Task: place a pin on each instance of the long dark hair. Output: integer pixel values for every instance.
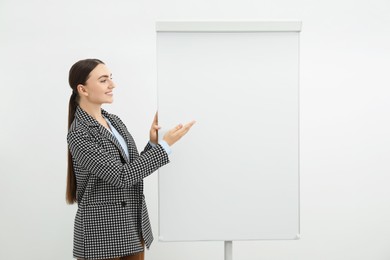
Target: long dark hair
(78, 74)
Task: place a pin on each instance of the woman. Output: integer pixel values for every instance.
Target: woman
(105, 170)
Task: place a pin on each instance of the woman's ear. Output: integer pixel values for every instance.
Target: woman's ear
(82, 90)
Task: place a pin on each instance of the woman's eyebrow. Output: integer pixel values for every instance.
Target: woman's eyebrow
(105, 76)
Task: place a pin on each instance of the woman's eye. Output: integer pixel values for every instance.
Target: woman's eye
(103, 81)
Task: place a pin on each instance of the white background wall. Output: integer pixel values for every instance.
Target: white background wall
(345, 125)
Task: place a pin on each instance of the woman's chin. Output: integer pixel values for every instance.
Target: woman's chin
(109, 101)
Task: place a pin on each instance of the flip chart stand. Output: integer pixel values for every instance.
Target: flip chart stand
(228, 250)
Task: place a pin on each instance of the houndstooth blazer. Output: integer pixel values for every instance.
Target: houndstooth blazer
(112, 217)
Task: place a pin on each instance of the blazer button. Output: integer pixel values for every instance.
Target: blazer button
(123, 203)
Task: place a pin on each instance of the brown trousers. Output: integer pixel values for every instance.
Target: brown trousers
(139, 256)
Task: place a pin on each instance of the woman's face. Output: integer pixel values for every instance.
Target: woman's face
(98, 88)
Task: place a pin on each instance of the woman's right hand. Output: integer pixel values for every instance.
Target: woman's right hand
(176, 133)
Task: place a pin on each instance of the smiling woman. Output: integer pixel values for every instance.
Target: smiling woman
(105, 170)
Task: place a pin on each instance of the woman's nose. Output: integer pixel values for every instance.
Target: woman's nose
(112, 84)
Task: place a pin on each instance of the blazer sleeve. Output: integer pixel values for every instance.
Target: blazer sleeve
(147, 148)
(100, 162)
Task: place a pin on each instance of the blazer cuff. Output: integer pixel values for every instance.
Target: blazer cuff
(164, 145)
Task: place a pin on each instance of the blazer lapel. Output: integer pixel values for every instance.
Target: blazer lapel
(104, 132)
(124, 133)
(81, 114)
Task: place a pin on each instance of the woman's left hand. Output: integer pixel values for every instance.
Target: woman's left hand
(154, 130)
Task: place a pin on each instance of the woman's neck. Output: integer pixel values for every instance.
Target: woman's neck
(93, 110)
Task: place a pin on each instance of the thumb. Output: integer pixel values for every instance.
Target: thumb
(176, 128)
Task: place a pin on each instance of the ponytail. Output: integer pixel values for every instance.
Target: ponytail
(71, 184)
(78, 74)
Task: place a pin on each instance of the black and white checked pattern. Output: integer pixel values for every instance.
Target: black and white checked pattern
(112, 217)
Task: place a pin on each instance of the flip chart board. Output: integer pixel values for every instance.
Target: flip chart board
(235, 176)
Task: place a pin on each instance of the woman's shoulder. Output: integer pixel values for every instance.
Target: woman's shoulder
(77, 125)
(78, 128)
(82, 124)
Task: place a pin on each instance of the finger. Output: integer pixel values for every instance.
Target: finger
(176, 129)
(186, 127)
(179, 126)
(189, 125)
(155, 120)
